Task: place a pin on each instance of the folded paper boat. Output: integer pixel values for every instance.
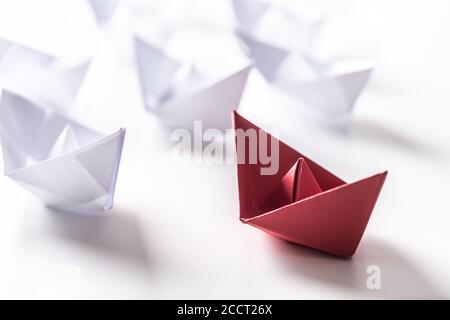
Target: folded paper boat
(276, 25)
(67, 165)
(39, 76)
(304, 203)
(328, 89)
(180, 95)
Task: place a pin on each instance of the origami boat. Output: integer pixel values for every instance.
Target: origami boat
(67, 165)
(304, 203)
(39, 76)
(180, 95)
(276, 25)
(329, 89)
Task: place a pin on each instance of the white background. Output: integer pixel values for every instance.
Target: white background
(174, 231)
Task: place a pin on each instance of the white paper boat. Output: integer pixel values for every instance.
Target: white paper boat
(67, 165)
(39, 76)
(329, 89)
(275, 25)
(180, 95)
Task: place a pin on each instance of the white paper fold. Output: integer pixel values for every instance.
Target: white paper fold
(329, 89)
(67, 165)
(180, 95)
(39, 76)
(104, 9)
(275, 25)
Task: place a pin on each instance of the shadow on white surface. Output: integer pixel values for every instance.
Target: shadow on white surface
(400, 277)
(116, 233)
(375, 132)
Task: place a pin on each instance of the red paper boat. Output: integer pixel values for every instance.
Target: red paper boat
(303, 203)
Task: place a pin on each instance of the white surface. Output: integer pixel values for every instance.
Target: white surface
(174, 231)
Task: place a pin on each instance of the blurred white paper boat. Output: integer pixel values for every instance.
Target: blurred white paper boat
(65, 164)
(39, 76)
(104, 9)
(328, 89)
(180, 95)
(276, 25)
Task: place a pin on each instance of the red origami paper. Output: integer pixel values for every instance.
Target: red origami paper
(304, 203)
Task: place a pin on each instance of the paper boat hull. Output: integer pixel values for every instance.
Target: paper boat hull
(332, 97)
(332, 222)
(82, 181)
(211, 105)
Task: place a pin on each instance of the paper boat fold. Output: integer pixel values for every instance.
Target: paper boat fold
(276, 25)
(180, 95)
(65, 164)
(249, 12)
(327, 89)
(39, 76)
(304, 203)
(104, 9)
